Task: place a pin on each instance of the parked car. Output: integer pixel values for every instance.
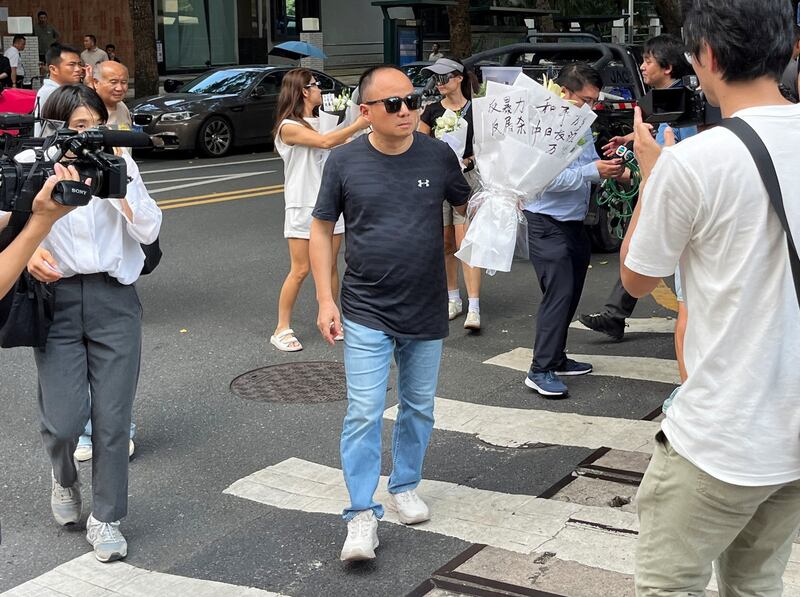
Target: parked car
(623, 86)
(219, 110)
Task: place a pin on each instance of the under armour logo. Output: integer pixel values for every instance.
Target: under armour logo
(423, 183)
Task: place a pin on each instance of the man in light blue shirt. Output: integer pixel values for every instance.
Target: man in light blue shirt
(559, 248)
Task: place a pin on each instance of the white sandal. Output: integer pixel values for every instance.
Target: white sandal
(284, 340)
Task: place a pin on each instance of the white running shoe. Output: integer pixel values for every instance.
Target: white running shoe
(65, 502)
(362, 537)
(454, 308)
(84, 451)
(409, 507)
(108, 542)
(472, 321)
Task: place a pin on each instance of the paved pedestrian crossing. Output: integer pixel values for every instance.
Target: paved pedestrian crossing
(641, 325)
(86, 577)
(599, 537)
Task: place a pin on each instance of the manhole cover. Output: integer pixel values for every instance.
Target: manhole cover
(316, 381)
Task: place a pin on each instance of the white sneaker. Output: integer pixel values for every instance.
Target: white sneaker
(362, 537)
(65, 502)
(472, 321)
(83, 452)
(108, 542)
(409, 507)
(454, 308)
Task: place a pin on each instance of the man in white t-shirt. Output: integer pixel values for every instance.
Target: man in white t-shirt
(724, 481)
(13, 55)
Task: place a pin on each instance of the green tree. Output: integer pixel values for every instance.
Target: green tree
(144, 50)
(669, 11)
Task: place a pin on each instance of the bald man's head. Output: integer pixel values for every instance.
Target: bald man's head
(379, 74)
(111, 82)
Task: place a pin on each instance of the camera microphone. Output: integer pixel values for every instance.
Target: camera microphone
(117, 138)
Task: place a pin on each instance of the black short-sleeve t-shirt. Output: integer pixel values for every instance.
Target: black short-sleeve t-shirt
(392, 205)
(435, 110)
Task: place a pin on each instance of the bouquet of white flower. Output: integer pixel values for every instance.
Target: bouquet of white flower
(338, 112)
(451, 128)
(524, 136)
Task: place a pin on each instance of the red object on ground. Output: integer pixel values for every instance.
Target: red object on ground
(17, 101)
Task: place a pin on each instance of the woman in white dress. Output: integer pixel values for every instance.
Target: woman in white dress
(302, 148)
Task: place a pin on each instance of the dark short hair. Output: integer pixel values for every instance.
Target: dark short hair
(669, 51)
(68, 98)
(40, 13)
(17, 38)
(749, 39)
(111, 46)
(92, 37)
(54, 52)
(368, 75)
(577, 75)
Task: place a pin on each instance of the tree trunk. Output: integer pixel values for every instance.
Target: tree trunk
(144, 50)
(545, 24)
(460, 30)
(669, 11)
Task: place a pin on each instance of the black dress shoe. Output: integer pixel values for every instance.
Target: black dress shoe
(604, 323)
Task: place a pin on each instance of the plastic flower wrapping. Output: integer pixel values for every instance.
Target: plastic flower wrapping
(525, 134)
(451, 128)
(338, 112)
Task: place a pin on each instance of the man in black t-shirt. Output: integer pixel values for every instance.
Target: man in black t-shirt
(390, 186)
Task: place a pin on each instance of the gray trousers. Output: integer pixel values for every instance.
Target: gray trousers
(94, 344)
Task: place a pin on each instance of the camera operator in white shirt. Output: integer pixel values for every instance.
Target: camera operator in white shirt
(94, 256)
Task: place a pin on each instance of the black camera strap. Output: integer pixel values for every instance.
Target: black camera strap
(755, 145)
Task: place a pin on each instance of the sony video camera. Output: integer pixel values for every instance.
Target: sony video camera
(679, 106)
(89, 151)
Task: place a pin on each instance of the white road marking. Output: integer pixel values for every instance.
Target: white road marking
(643, 368)
(519, 523)
(216, 165)
(648, 325)
(515, 427)
(86, 576)
(223, 178)
(207, 177)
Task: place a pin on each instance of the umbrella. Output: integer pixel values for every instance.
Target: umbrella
(296, 50)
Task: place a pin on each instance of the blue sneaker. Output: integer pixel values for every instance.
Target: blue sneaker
(571, 367)
(546, 383)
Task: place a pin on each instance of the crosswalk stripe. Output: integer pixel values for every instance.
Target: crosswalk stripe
(643, 325)
(642, 368)
(601, 537)
(515, 427)
(86, 576)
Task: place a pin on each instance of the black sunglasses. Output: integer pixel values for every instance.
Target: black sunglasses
(393, 104)
(443, 79)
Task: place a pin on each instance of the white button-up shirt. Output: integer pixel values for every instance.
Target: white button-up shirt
(98, 238)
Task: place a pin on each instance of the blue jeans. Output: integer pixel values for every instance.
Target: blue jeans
(367, 356)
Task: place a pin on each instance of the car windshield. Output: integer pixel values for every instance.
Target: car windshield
(222, 81)
(417, 76)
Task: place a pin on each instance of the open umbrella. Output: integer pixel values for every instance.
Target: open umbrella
(296, 50)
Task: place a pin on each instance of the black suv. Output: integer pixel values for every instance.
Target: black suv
(622, 88)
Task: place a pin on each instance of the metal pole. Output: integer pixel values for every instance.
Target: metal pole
(630, 22)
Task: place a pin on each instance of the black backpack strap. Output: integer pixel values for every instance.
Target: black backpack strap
(766, 168)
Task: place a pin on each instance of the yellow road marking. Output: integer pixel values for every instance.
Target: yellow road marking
(664, 296)
(222, 194)
(221, 199)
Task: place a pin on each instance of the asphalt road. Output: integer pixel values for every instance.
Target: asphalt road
(209, 310)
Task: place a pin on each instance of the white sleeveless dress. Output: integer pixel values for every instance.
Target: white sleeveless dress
(302, 166)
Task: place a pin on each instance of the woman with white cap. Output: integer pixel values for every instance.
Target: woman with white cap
(456, 85)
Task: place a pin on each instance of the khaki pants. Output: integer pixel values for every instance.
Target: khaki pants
(688, 519)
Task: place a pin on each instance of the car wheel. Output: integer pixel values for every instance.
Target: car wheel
(215, 138)
(602, 235)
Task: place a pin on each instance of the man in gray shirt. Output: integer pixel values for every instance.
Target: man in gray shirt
(92, 55)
